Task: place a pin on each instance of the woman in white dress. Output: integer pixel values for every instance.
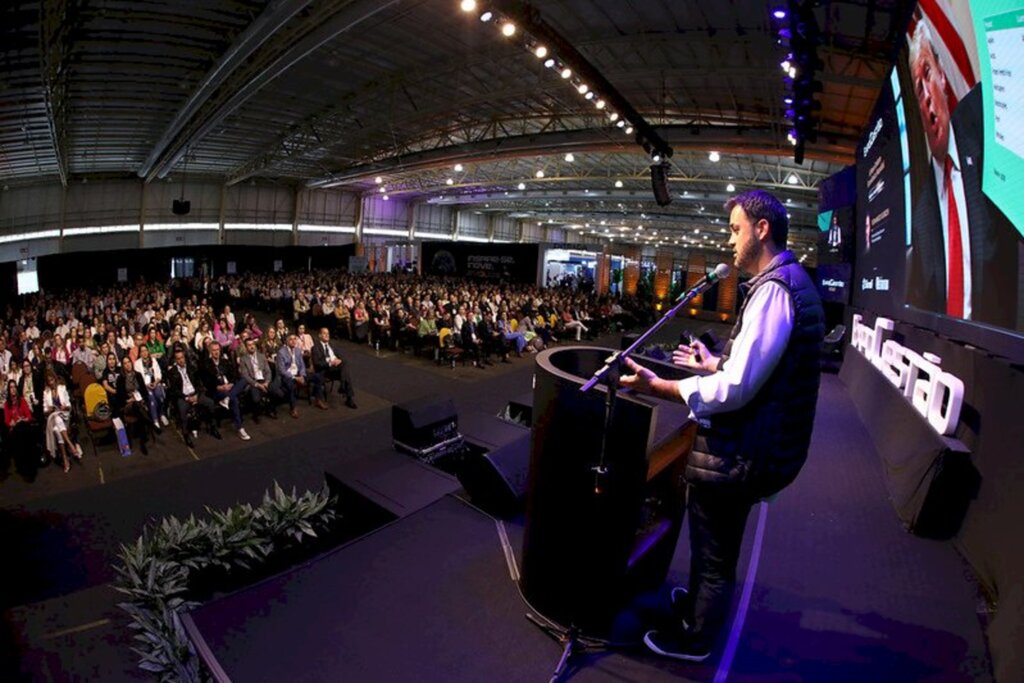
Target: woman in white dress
(57, 409)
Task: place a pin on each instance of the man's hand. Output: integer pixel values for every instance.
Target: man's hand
(695, 356)
(646, 381)
(640, 380)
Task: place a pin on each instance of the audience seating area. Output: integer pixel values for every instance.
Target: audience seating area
(110, 351)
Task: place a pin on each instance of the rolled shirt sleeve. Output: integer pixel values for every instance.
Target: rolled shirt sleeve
(756, 350)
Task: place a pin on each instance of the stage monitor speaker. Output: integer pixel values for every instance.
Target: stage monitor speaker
(181, 207)
(659, 183)
(422, 425)
(496, 480)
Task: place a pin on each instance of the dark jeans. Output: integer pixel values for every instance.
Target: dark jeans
(237, 389)
(718, 517)
(341, 375)
(204, 408)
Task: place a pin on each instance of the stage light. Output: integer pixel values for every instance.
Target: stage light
(486, 16)
(614, 116)
(786, 66)
(539, 174)
(378, 180)
(386, 198)
(582, 88)
(450, 181)
(508, 29)
(383, 189)
(468, 5)
(792, 72)
(621, 124)
(570, 158)
(549, 62)
(792, 179)
(656, 158)
(629, 130)
(590, 95)
(599, 104)
(730, 188)
(566, 72)
(787, 100)
(458, 168)
(541, 52)
(714, 157)
(521, 186)
(618, 183)
(779, 13)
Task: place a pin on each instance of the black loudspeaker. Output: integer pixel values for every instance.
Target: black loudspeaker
(181, 207)
(496, 480)
(424, 425)
(659, 183)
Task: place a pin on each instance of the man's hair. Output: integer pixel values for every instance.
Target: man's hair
(922, 37)
(758, 205)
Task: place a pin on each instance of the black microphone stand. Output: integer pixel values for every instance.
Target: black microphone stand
(572, 638)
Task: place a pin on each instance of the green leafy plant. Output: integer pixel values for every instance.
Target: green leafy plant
(158, 571)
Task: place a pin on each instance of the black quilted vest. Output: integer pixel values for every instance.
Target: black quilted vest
(763, 445)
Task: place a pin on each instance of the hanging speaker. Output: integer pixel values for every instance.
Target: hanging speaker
(181, 207)
(659, 183)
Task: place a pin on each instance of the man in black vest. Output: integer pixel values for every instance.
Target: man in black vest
(755, 409)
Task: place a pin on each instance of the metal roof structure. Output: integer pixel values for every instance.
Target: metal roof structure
(337, 93)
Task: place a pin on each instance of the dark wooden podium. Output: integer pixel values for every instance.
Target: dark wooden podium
(591, 543)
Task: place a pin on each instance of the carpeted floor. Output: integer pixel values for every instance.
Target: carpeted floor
(842, 593)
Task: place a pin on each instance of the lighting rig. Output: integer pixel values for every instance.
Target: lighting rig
(799, 36)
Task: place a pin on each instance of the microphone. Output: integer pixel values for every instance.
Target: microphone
(720, 272)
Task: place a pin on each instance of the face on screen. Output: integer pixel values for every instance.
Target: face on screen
(930, 88)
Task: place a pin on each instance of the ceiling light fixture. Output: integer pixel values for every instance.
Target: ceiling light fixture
(539, 174)
(549, 62)
(508, 29)
(618, 183)
(566, 72)
(730, 188)
(458, 168)
(378, 180)
(714, 157)
(569, 157)
(450, 181)
(521, 186)
(541, 52)
(486, 16)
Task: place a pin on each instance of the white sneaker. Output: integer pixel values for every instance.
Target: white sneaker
(195, 433)
(226, 402)
(164, 421)
(243, 435)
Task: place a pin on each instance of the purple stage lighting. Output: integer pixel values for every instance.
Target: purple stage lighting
(779, 13)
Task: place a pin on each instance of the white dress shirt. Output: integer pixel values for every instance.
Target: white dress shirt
(756, 350)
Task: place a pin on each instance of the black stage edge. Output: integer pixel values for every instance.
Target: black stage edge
(931, 478)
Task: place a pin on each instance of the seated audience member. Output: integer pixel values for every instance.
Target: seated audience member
(185, 392)
(472, 344)
(155, 342)
(264, 387)
(291, 368)
(427, 330)
(202, 337)
(360, 323)
(224, 385)
(305, 341)
(83, 354)
(152, 375)
(271, 342)
(21, 440)
(570, 324)
(100, 362)
(60, 355)
(517, 338)
(108, 377)
(132, 403)
(343, 320)
(124, 341)
(328, 363)
(57, 410)
(30, 387)
(5, 354)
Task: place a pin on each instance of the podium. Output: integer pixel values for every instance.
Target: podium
(592, 540)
